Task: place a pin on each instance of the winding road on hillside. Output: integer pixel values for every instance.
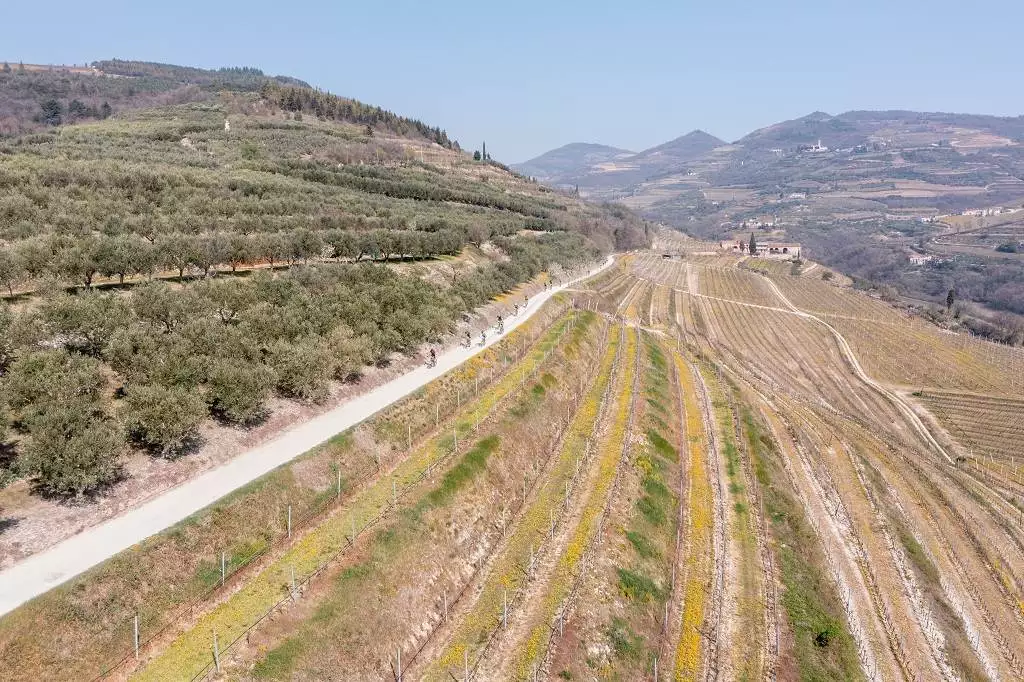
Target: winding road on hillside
(51, 567)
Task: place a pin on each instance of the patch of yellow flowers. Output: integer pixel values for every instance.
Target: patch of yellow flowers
(507, 573)
(191, 650)
(698, 559)
(566, 570)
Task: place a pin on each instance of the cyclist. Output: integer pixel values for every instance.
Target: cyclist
(483, 337)
(469, 341)
(433, 358)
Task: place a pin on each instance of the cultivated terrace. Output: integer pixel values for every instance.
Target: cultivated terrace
(695, 467)
(183, 281)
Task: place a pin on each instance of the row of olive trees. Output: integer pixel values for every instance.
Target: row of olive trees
(85, 376)
(80, 260)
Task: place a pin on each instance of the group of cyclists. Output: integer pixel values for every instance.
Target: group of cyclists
(500, 325)
(432, 361)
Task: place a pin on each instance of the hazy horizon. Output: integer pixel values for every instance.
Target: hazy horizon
(535, 76)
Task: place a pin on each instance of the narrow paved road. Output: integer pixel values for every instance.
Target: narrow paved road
(51, 567)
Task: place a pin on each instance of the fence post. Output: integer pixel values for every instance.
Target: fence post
(339, 482)
(410, 436)
(437, 415)
(504, 608)
(223, 567)
(216, 653)
(446, 605)
(399, 664)
(289, 521)
(136, 636)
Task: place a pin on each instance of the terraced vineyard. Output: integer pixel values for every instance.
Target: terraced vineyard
(682, 469)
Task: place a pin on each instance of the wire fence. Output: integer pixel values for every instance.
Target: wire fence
(212, 667)
(235, 568)
(233, 571)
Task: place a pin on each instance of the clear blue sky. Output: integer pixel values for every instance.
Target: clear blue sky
(527, 76)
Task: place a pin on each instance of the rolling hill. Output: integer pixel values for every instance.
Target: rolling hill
(558, 166)
(602, 171)
(224, 251)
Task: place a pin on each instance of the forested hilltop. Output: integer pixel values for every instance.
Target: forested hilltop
(165, 265)
(34, 97)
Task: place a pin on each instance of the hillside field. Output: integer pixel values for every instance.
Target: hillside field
(682, 465)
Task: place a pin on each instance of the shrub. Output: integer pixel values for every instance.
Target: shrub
(642, 545)
(625, 642)
(654, 514)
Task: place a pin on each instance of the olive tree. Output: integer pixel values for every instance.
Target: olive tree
(40, 380)
(86, 321)
(238, 391)
(164, 419)
(160, 304)
(227, 297)
(72, 448)
(303, 367)
(12, 271)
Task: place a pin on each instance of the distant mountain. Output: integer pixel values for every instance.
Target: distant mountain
(690, 146)
(569, 161)
(861, 190)
(899, 128)
(597, 169)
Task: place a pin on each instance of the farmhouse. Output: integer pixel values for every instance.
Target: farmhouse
(770, 249)
(778, 249)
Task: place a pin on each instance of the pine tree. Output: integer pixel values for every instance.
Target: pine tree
(52, 112)
(950, 299)
(753, 245)
(7, 67)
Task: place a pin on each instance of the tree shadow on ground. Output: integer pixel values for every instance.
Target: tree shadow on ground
(8, 523)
